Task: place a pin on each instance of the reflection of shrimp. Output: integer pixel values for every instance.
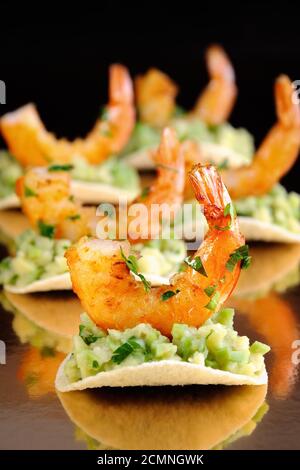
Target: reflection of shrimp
(276, 154)
(45, 197)
(275, 320)
(33, 145)
(216, 102)
(38, 371)
(115, 300)
(155, 94)
(168, 186)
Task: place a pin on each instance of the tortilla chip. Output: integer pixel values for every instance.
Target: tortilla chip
(255, 229)
(270, 264)
(59, 282)
(13, 223)
(210, 153)
(163, 418)
(10, 202)
(57, 313)
(156, 373)
(95, 193)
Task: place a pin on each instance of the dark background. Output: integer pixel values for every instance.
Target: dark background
(59, 60)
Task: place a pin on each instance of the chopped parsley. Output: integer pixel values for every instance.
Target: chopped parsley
(168, 294)
(224, 164)
(196, 264)
(125, 350)
(46, 230)
(28, 192)
(229, 210)
(131, 263)
(74, 217)
(66, 167)
(240, 254)
(210, 290)
(88, 339)
(144, 193)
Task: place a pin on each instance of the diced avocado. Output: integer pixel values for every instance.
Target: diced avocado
(113, 172)
(213, 345)
(277, 207)
(10, 171)
(143, 136)
(160, 257)
(36, 258)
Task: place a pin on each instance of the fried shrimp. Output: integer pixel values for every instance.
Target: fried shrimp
(217, 100)
(46, 200)
(114, 299)
(32, 145)
(155, 96)
(277, 153)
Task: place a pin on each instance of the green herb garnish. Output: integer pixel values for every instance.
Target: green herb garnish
(240, 254)
(229, 210)
(213, 303)
(88, 339)
(74, 217)
(144, 193)
(168, 294)
(28, 192)
(95, 364)
(210, 290)
(223, 165)
(66, 167)
(131, 263)
(46, 230)
(46, 351)
(124, 350)
(196, 264)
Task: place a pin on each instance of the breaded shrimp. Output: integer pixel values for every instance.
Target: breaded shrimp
(32, 145)
(155, 96)
(46, 198)
(216, 102)
(277, 153)
(113, 299)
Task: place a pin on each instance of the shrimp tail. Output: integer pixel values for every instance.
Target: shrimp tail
(210, 192)
(216, 102)
(276, 154)
(120, 85)
(288, 111)
(169, 156)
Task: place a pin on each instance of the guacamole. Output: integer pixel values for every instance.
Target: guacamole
(113, 172)
(225, 135)
(10, 171)
(37, 257)
(215, 344)
(160, 257)
(276, 207)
